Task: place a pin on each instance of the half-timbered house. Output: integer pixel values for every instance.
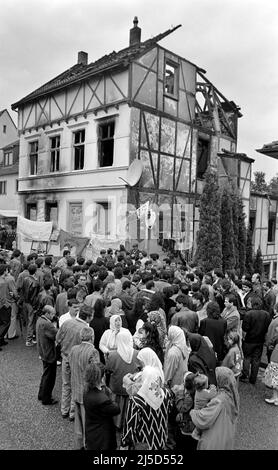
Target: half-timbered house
(81, 131)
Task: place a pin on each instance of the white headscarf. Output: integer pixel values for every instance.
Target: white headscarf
(112, 322)
(149, 358)
(151, 389)
(176, 338)
(125, 345)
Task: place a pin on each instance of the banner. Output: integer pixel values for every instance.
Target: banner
(99, 242)
(142, 211)
(33, 230)
(73, 241)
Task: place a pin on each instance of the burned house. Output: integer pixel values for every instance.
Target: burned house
(81, 131)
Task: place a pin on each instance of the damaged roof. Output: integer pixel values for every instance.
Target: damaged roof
(82, 71)
(271, 150)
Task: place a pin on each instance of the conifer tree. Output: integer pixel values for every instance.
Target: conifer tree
(258, 262)
(242, 237)
(227, 231)
(249, 253)
(209, 244)
(236, 216)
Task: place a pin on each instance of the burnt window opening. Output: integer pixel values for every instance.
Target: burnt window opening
(171, 79)
(31, 211)
(79, 149)
(4, 129)
(55, 153)
(16, 185)
(3, 187)
(271, 227)
(33, 155)
(106, 132)
(252, 221)
(103, 218)
(202, 157)
(51, 212)
(8, 158)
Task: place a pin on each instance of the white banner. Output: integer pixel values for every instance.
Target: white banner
(142, 211)
(39, 231)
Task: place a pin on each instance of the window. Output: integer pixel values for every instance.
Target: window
(3, 187)
(31, 211)
(51, 212)
(79, 149)
(103, 218)
(271, 227)
(106, 143)
(54, 153)
(8, 158)
(171, 79)
(202, 157)
(33, 154)
(16, 185)
(252, 220)
(4, 129)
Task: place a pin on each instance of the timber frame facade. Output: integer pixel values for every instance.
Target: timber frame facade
(164, 111)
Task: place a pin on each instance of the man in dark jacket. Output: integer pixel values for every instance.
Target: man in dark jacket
(46, 333)
(255, 325)
(30, 292)
(269, 298)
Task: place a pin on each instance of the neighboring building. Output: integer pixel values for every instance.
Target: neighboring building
(9, 183)
(9, 153)
(80, 132)
(264, 220)
(264, 225)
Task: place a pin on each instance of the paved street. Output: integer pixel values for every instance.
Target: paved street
(26, 424)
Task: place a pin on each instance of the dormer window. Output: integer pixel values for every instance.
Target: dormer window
(171, 79)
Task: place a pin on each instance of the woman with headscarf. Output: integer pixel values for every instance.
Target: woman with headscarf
(108, 341)
(120, 362)
(116, 309)
(145, 426)
(99, 323)
(176, 357)
(202, 358)
(146, 357)
(109, 289)
(157, 319)
(214, 327)
(218, 419)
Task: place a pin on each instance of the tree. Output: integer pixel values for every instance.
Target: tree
(209, 244)
(258, 262)
(227, 230)
(259, 184)
(235, 209)
(273, 185)
(242, 239)
(249, 252)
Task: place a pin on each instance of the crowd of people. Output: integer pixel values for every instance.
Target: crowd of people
(151, 351)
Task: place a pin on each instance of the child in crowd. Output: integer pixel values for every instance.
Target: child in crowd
(203, 395)
(271, 372)
(234, 357)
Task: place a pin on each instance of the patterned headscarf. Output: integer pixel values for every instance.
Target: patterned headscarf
(226, 383)
(116, 307)
(151, 389)
(149, 358)
(125, 345)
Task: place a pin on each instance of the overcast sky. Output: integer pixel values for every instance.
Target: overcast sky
(235, 41)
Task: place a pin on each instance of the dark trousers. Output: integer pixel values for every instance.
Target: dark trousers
(47, 381)
(252, 356)
(5, 320)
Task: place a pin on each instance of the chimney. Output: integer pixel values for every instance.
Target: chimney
(135, 33)
(82, 58)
